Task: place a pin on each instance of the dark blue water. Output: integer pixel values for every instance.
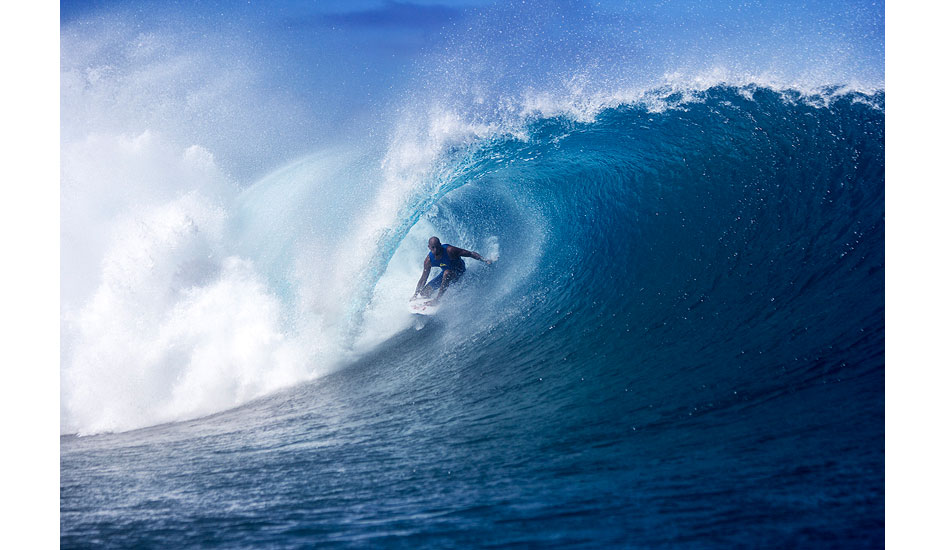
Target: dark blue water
(681, 345)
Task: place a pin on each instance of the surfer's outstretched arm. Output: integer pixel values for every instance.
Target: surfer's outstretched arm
(426, 267)
(469, 254)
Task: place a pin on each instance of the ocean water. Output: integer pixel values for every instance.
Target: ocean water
(680, 342)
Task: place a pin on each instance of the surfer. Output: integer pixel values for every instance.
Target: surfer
(449, 258)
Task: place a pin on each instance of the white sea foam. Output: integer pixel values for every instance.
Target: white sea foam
(162, 319)
(173, 325)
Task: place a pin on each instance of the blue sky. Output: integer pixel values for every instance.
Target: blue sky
(331, 70)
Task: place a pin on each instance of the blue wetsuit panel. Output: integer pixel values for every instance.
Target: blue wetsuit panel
(445, 262)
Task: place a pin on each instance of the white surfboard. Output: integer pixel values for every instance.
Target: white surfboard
(421, 306)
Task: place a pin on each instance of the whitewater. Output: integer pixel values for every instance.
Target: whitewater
(680, 342)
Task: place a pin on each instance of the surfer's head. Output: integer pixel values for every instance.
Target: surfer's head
(435, 245)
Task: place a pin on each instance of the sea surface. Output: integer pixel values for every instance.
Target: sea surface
(680, 343)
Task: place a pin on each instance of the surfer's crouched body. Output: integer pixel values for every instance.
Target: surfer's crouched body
(449, 258)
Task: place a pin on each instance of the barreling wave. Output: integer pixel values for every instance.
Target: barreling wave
(713, 228)
(680, 341)
(733, 231)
